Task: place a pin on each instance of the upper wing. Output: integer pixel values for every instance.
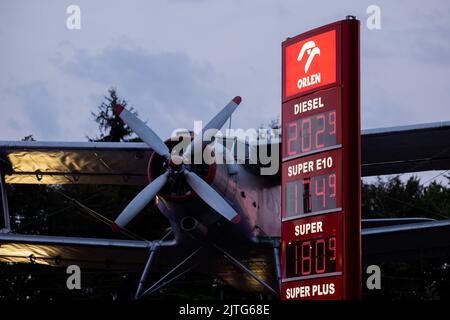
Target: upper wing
(413, 148)
(392, 150)
(36, 162)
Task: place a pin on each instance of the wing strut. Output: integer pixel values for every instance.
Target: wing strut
(7, 226)
(163, 282)
(239, 265)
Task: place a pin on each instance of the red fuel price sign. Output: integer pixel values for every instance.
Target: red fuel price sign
(321, 217)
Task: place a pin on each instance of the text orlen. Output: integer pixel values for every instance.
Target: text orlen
(311, 291)
(308, 81)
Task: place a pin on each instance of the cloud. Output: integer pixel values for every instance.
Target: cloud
(179, 61)
(36, 107)
(168, 86)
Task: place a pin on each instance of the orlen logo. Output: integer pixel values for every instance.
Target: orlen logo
(312, 50)
(310, 63)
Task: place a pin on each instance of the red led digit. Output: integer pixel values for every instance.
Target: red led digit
(291, 139)
(320, 193)
(332, 122)
(306, 258)
(296, 257)
(307, 195)
(296, 197)
(332, 247)
(321, 119)
(332, 185)
(320, 257)
(306, 136)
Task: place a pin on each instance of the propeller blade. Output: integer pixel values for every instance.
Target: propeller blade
(140, 201)
(211, 197)
(143, 131)
(215, 123)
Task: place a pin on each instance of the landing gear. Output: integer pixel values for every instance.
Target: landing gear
(188, 264)
(169, 277)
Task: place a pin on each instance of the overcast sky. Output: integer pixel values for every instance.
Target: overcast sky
(179, 61)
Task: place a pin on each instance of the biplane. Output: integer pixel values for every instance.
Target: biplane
(225, 218)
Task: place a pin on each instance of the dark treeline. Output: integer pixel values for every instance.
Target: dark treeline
(395, 197)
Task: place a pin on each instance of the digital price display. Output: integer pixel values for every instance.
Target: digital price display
(311, 134)
(320, 186)
(311, 185)
(311, 194)
(312, 124)
(310, 257)
(313, 247)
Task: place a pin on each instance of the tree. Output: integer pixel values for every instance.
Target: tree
(111, 127)
(28, 138)
(396, 198)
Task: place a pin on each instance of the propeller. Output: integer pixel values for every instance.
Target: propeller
(211, 197)
(143, 131)
(140, 201)
(175, 166)
(215, 123)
